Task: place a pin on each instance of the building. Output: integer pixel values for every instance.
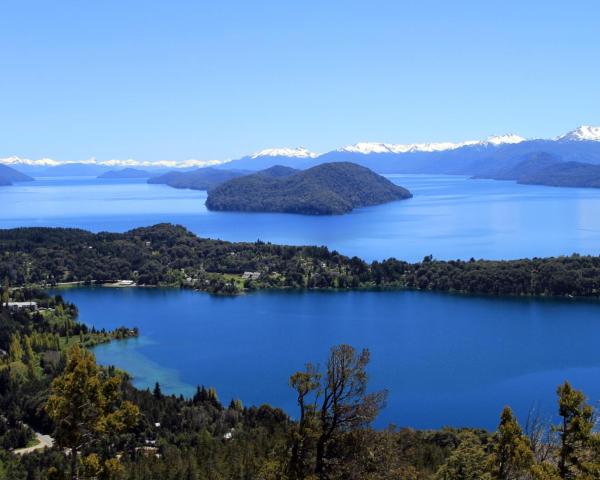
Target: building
(32, 306)
(251, 275)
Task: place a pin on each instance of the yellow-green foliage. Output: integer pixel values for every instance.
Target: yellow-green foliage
(86, 404)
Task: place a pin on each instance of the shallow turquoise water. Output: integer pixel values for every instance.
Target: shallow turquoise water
(449, 217)
(445, 359)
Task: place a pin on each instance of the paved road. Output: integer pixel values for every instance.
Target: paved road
(44, 441)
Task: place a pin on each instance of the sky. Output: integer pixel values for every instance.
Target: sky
(177, 79)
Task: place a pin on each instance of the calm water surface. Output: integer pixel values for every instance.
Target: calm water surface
(449, 217)
(446, 359)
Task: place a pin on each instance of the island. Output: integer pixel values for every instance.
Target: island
(327, 189)
(199, 179)
(125, 173)
(9, 175)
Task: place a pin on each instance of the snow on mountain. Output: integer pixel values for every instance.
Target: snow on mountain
(368, 147)
(299, 152)
(373, 147)
(49, 162)
(583, 133)
(503, 139)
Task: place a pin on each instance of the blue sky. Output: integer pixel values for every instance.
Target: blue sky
(214, 80)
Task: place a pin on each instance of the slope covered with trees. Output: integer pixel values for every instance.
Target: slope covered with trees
(540, 168)
(170, 255)
(327, 189)
(103, 428)
(199, 179)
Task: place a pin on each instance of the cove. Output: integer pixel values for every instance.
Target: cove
(445, 359)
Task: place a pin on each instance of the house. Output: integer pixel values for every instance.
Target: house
(250, 275)
(14, 306)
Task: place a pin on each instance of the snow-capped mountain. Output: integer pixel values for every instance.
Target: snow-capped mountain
(583, 133)
(367, 148)
(581, 144)
(509, 138)
(299, 152)
(49, 162)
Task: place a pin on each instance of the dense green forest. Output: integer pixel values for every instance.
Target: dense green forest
(170, 255)
(103, 428)
(327, 189)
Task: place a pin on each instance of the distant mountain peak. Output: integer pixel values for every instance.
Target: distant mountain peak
(583, 133)
(503, 139)
(299, 152)
(374, 147)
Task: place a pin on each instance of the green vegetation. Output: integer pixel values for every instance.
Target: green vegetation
(106, 429)
(170, 255)
(327, 189)
(199, 179)
(84, 405)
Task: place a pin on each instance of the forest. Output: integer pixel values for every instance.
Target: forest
(327, 189)
(170, 255)
(104, 428)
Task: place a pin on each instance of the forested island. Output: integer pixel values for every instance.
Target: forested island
(199, 179)
(170, 255)
(98, 426)
(327, 189)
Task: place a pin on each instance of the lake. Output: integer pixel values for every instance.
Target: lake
(449, 217)
(445, 359)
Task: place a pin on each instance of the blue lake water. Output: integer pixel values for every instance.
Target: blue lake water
(449, 217)
(445, 359)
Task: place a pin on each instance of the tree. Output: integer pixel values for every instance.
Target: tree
(15, 349)
(5, 293)
(85, 404)
(467, 462)
(511, 454)
(332, 405)
(304, 383)
(576, 434)
(157, 391)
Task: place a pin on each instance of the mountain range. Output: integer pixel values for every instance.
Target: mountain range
(473, 158)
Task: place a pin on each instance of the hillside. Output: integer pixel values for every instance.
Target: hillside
(125, 173)
(199, 179)
(541, 168)
(327, 189)
(9, 175)
(565, 174)
(171, 255)
(519, 167)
